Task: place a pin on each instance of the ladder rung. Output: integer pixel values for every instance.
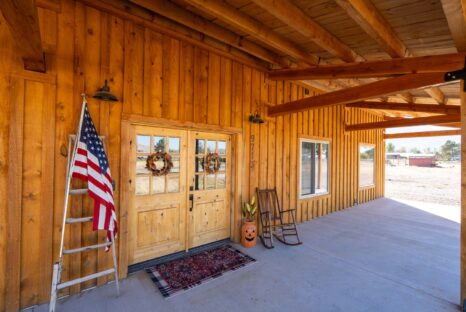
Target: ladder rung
(85, 278)
(78, 191)
(86, 248)
(78, 220)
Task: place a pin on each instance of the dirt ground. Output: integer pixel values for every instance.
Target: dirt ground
(440, 185)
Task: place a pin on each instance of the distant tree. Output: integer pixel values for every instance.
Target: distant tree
(428, 150)
(415, 150)
(401, 150)
(450, 150)
(390, 147)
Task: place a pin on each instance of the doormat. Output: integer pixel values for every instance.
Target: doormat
(182, 274)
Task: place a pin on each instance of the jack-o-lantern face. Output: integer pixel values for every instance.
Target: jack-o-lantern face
(250, 234)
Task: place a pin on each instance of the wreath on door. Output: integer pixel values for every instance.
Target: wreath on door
(211, 163)
(151, 163)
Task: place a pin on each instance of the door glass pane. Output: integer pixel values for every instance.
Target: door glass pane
(143, 144)
(174, 145)
(221, 180)
(210, 181)
(200, 146)
(142, 185)
(199, 182)
(159, 144)
(199, 164)
(158, 185)
(211, 146)
(176, 164)
(173, 183)
(223, 164)
(141, 165)
(222, 147)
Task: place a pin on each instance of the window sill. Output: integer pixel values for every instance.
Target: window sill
(314, 196)
(365, 187)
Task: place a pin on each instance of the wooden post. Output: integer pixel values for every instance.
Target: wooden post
(463, 196)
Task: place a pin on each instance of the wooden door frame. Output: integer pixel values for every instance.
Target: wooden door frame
(128, 121)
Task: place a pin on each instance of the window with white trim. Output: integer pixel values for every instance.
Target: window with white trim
(366, 164)
(314, 167)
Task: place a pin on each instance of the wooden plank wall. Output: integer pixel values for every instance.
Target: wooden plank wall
(154, 75)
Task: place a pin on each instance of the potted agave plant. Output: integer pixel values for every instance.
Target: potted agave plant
(249, 229)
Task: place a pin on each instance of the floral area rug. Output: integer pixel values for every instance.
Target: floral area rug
(184, 273)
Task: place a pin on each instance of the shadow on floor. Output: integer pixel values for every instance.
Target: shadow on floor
(379, 256)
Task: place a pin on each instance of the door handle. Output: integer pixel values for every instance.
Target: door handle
(191, 202)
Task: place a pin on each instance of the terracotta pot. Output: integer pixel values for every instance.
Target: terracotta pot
(248, 234)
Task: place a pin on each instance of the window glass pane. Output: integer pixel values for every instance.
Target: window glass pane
(366, 165)
(141, 165)
(159, 144)
(199, 182)
(199, 164)
(211, 146)
(222, 147)
(174, 145)
(223, 164)
(221, 180)
(142, 185)
(314, 167)
(200, 146)
(210, 181)
(176, 164)
(173, 183)
(143, 144)
(158, 185)
(306, 164)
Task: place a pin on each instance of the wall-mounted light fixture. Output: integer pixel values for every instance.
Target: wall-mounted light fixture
(104, 94)
(256, 118)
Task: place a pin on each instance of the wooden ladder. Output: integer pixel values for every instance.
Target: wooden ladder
(57, 267)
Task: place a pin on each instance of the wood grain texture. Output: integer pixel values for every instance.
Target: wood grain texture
(160, 79)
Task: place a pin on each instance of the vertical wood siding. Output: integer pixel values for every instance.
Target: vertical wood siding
(154, 75)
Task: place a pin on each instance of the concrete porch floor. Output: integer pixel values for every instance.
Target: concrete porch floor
(380, 256)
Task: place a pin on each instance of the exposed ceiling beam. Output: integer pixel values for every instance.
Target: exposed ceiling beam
(177, 13)
(359, 93)
(23, 21)
(294, 17)
(410, 107)
(404, 122)
(454, 12)
(379, 68)
(366, 15)
(232, 16)
(436, 94)
(422, 134)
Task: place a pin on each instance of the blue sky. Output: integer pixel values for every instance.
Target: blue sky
(421, 143)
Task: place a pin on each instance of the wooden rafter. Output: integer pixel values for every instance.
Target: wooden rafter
(177, 13)
(404, 122)
(359, 93)
(379, 68)
(410, 107)
(294, 17)
(23, 21)
(242, 21)
(421, 134)
(366, 15)
(454, 12)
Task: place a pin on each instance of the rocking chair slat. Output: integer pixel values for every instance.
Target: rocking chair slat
(270, 210)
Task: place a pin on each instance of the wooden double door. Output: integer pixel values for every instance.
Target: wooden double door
(187, 207)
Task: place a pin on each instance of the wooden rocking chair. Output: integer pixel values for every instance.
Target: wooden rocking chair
(272, 219)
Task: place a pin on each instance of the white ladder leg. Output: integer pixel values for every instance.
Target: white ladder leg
(55, 281)
(117, 283)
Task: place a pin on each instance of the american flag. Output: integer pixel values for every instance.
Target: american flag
(91, 164)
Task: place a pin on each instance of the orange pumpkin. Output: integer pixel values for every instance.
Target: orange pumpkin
(248, 234)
